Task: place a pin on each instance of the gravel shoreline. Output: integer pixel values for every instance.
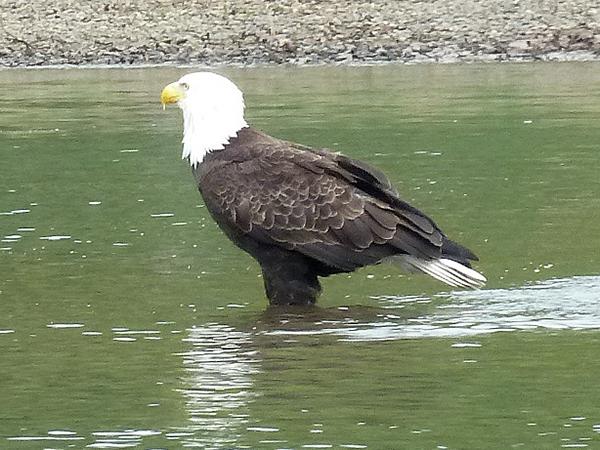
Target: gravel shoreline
(246, 32)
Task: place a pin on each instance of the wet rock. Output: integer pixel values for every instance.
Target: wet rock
(519, 46)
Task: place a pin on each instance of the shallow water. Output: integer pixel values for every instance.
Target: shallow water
(127, 319)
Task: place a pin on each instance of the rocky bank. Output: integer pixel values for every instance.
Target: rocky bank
(45, 32)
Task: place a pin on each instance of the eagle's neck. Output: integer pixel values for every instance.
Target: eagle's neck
(206, 131)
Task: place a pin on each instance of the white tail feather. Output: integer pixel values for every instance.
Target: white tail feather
(446, 270)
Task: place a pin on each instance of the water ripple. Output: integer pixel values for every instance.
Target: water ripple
(59, 237)
(559, 304)
(121, 439)
(219, 384)
(65, 325)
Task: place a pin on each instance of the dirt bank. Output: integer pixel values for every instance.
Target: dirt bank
(44, 32)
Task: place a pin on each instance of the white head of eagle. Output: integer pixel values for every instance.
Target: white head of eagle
(213, 112)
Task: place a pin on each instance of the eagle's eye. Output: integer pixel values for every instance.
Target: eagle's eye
(185, 86)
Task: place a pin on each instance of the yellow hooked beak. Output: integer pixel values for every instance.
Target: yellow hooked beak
(172, 93)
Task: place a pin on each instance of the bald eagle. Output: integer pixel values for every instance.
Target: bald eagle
(301, 212)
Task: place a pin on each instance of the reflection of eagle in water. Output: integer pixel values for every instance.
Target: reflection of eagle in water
(302, 212)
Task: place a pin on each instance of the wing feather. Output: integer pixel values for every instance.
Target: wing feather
(339, 211)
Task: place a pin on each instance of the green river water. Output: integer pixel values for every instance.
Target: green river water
(128, 320)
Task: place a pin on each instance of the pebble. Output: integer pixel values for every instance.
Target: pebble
(246, 32)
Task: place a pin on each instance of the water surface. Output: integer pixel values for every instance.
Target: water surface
(128, 320)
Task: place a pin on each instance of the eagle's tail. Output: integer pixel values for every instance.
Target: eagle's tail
(446, 270)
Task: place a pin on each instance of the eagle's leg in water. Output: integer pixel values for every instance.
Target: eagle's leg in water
(289, 279)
